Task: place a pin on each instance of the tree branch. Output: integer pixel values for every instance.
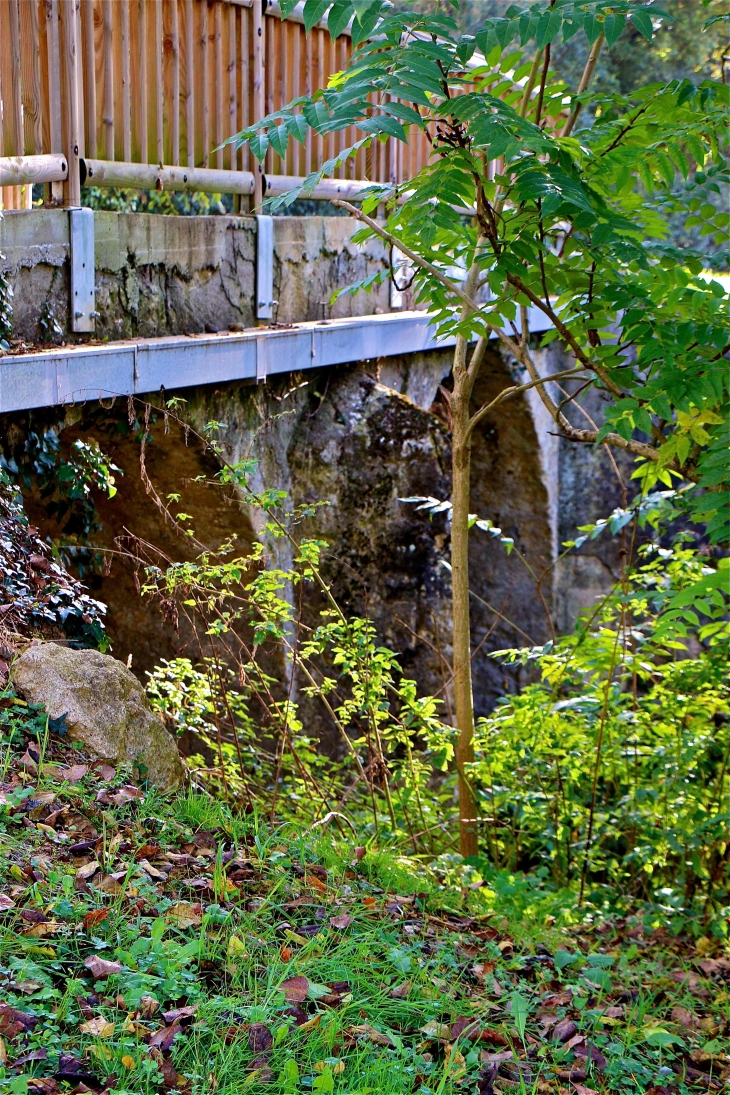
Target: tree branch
(509, 393)
(584, 82)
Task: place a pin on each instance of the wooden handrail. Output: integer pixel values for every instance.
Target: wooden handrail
(150, 82)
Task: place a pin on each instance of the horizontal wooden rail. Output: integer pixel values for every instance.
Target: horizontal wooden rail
(20, 170)
(148, 177)
(145, 83)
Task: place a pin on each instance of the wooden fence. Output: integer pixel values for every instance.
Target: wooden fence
(93, 83)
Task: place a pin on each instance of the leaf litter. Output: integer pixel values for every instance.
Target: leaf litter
(165, 945)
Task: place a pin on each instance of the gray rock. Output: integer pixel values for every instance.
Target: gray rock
(104, 704)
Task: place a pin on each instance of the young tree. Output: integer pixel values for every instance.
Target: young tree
(539, 213)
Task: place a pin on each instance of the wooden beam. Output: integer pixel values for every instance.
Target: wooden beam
(72, 186)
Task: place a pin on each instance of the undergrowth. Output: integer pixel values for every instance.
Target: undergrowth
(154, 944)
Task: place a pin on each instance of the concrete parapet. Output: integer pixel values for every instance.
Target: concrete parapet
(162, 275)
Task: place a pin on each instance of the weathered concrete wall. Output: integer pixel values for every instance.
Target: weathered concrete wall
(159, 275)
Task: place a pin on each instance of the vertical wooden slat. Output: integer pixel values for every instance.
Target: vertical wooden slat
(218, 82)
(319, 82)
(54, 75)
(72, 186)
(259, 93)
(269, 80)
(296, 88)
(232, 97)
(245, 66)
(190, 81)
(331, 67)
(80, 97)
(31, 68)
(109, 78)
(12, 103)
(144, 144)
(308, 91)
(206, 79)
(126, 91)
(159, 107)
(90, 76)
(175, 105)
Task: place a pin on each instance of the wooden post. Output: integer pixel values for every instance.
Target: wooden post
(218, 81)
(232, 97)
(175, 83)
(308, 91)
(32, 95)
(90, 67)
(72, 186)
(190, 81)
(159, 115)
(269, 78)
(108, 79)
(144, 143)
(259, 93)
(204, 74)
(296, 91)
(14, 107)
(126, 89)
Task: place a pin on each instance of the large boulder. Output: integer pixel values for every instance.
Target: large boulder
(104, 705)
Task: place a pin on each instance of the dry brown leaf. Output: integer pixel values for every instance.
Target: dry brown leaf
(128, 1062)
(98, 1027)
(434, 1029)
(101, 968)
(185, 915)
(87, 871)
(365, 1030)
(109, 885)
(311, 1024)
(295, 989)
(400, 992)
(159, 876)
(40, 931)
(342, 921)
(74, 774)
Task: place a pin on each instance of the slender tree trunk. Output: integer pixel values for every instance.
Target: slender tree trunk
(461, 458)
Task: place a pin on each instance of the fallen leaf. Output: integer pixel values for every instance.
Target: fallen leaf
(148, 1006)
(105, 771)
(74, 774)
(94, 917)
(581, 1089)
(98, 1027)
(365, 1030)
(101, 968)
(87, 871)
(465, 1028)
(153, 872)
(128, 1062)
(595, 1055)
(564, 1030)
(40, 931)
(178, 1015)
(400, 992)
(6, 903)
(434, 1029)
(186, 915)
(295, 989)
(164, 1037)
(260, 1038)
(236, 947)
(341, 922)
(109, 885)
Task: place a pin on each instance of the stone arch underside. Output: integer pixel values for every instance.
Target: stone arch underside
(360, 438)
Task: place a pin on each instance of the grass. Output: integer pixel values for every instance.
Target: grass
(153, 944)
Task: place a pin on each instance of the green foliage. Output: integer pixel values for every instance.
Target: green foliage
(578, 228)
(615, 766)
(65, 485)
(168, 202)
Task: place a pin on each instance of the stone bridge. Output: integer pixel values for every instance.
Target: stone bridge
(339, 402)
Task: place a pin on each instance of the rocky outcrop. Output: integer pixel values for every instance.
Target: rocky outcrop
(104, 707)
